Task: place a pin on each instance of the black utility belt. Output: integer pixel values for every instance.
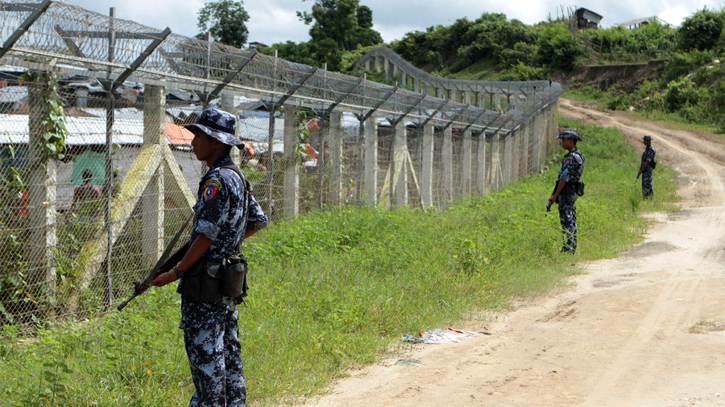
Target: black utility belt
(211, 280)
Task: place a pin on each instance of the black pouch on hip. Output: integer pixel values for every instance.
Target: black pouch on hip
(234, 277)
(202, 282)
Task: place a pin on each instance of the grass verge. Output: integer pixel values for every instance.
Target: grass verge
(336, 290)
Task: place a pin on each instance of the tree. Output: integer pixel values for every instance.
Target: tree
(700, 31)
(342, 24)
(225, 20)
(558, 49)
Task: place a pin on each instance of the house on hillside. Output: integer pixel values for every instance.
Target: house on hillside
(587, 19)
(640, 22)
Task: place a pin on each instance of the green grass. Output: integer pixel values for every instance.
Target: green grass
(335, 290)
(673, 120)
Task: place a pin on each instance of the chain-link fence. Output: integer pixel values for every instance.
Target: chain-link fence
(98, 172)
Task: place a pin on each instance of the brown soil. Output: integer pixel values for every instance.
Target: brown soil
(644, 329)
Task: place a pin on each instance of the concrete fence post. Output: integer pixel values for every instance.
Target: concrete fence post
(228, 105)
(400, 165)
(447, 156)
(335, 139)
(154, 133)
(525, 147)
(291, 191)
(506, 159)
(481, 168)
(466, 163)
(42, 192)
(493, 170)
(426, 183)
(370, 135)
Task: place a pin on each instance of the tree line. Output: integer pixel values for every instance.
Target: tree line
(493, 47)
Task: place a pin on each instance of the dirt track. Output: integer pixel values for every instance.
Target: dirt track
(622, 336)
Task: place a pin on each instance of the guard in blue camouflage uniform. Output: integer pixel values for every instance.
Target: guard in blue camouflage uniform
(646, 166)
(565, 190)
(224, 215)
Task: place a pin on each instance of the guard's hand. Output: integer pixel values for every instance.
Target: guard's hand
(163, 279)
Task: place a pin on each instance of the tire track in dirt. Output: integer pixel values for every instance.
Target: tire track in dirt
(619, 337)
(634, 367)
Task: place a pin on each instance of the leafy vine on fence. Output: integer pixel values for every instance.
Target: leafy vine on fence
(55, 132)
(14, 239)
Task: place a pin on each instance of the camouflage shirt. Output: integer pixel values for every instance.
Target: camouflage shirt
(572, 166)
(648, 156)
(224, 211)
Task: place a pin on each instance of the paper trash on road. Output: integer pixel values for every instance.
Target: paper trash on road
(439, 336)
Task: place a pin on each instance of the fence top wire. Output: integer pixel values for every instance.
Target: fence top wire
(75, 41)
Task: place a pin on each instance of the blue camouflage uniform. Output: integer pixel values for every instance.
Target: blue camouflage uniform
(223, 211)
(648, 156)
(570, 172)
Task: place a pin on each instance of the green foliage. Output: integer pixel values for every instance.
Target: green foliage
(701, 31)
(651, 41)
(680, 93)
(681, 64)
(53, 125)
(558, 49)
(225, 20)
(492, 37)
(334, 290)
(291, 51)
(337, 26)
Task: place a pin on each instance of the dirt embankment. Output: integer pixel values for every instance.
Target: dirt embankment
(644, 329)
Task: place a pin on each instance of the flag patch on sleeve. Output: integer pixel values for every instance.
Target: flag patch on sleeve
(211, 187)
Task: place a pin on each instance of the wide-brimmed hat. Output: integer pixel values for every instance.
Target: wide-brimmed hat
(570, 134)
(218, 124)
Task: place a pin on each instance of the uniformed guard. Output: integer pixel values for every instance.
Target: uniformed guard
(224, 215)
(567, 188)
(646, 166)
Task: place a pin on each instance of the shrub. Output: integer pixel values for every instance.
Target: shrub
(680, 93)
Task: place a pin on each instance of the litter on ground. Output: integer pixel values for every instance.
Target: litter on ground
(438, 336)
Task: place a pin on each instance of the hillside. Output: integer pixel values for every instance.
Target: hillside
(658, 70)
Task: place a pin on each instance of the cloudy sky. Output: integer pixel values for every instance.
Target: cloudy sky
(273, 21)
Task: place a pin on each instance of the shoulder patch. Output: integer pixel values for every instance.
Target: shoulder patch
(211, 187)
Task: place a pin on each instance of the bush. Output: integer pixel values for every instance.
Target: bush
(558, 49)
(701, 31)
(680, 93)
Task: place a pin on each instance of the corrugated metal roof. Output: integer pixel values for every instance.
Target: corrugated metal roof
(81, 130)
(13, 94)
(636, 21)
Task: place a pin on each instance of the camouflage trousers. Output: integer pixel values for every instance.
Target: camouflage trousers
(647, 190)
(211, 336)
(567, 216)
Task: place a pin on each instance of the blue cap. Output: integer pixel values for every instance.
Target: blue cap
(647, 137)
(218, 124)
(570, 134)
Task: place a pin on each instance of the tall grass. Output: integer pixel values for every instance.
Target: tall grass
(336, 290)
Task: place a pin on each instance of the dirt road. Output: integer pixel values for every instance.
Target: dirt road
(626, 334)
